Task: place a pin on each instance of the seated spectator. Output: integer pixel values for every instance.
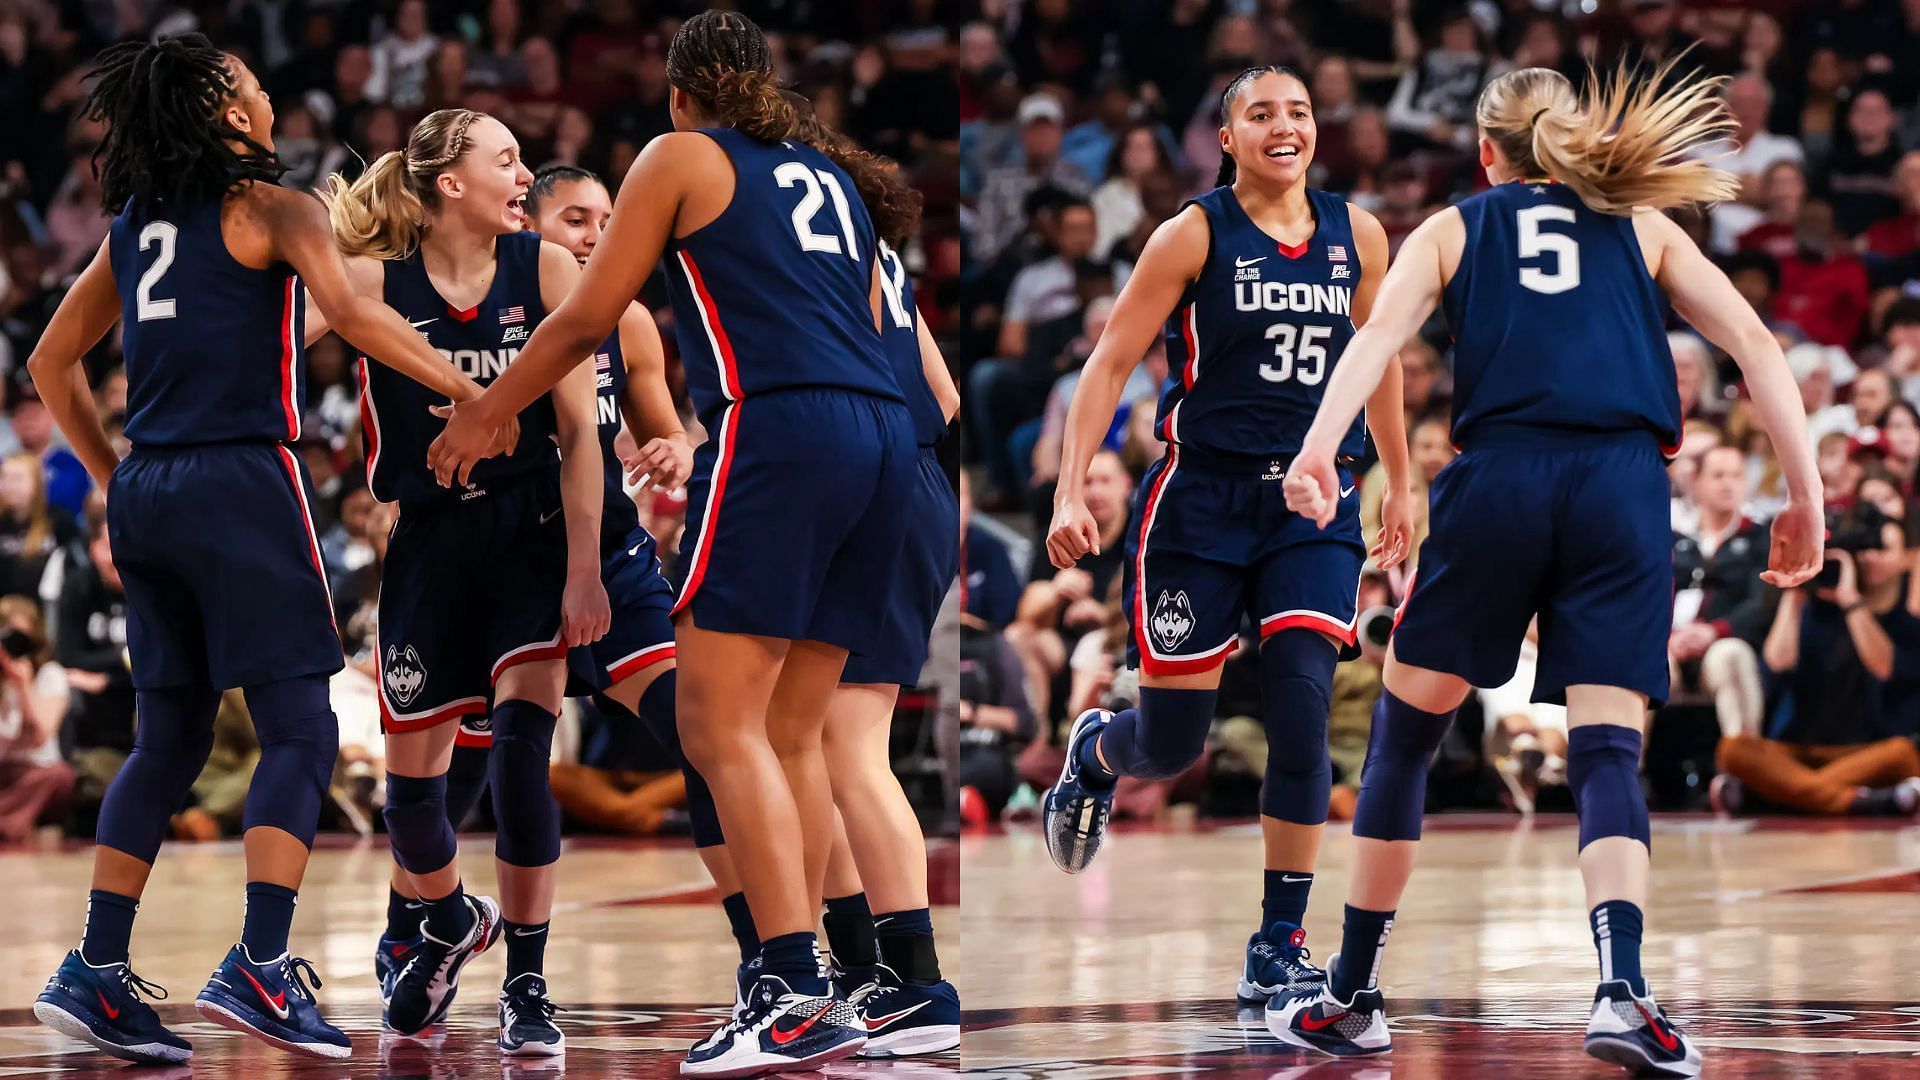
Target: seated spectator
(1525, 740)
(624, 781)
(1860, 173)
(1000, 215)
(988, 580)
(1896, 237)
(1899, 429)
(1848, 647)
(1898, 351)
(1432, 108)
(30, 530)
(1750, 154)
(1404, 203)
(67, 482)
(1431, 451)
(1823, 286)
(1839, 466)
(1694, 374)
(996, 717)
(1817, 369)
(1719, 603)
(220, 791)
(1783, 189)
(90, 641)
(1117, 207)
(1060, 605)
(35, 782)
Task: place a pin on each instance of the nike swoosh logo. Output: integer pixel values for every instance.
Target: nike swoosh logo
(417, 325)
(875, 1024)
(1248, 262)
(275, 1002)
(782, 1038)
(1667, 1041)
(1311, 1024)
(1344, 492)
(1287, 878)
(112, 1013)
(544, 518)
(518, 932)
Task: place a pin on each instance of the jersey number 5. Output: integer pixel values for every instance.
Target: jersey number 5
(793, 172)
(1284, 335)
(1534, 244)
(146, 307)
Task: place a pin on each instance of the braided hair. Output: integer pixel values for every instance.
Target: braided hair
(167, 138)
(1238, 85)
(548, 179)
(721, 60)
(384, 212)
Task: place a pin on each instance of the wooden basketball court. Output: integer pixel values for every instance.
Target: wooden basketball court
(1785, 948)
(640, 958)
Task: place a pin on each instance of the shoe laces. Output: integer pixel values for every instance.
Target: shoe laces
(298, 972)
(884, 979)
(535, 1006)
(137, 987)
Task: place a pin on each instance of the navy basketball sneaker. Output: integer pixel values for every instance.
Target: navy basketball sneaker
(1319, 1021)
(388, 958)
(1635, 1034)
(526, 1019)
(424, 991)
(779, 1031)
(1074, 816)
(1277, 966)
(850, 980)
(903, 1019)
(272, 1002)
(100, 1004)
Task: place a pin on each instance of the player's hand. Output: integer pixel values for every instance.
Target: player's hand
(1313, 487)
(584, 611)
(664, 463)
(1072, 534)
(1798, 547)
(467, 439)
(1395, 541)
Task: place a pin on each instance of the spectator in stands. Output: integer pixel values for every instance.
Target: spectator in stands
(496, 62)
(1117, 209)
(401, 58)
(1860, 173)
(1368, 151)
(220, 791)
(1898, 352)
(1900, 442)
(1058, 606)
(1431, 451)
(67, 482)
(1839, 465)
(30, 529)
(35, 782)
(999, 216)
(989, 582)
(624, 782)
(1895, 237)
(1694, 374)
(90, 642)
(1783, 189)
(1720, 610)
(1423, 378)
(1749, 153)
(1432, 108)
(1823, 286)
(1403, 204)
(1871, 395)
(996, 718)
(1089, 144)
(1850, 655)
(1524, 740)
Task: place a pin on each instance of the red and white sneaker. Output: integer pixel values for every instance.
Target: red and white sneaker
(1635, 1034)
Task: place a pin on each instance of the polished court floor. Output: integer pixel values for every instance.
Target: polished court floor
(639, 957)
(1786, 948)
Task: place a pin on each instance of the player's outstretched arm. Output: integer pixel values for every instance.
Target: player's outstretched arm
(1407, 296)
(934, 367)
(1703, 296)
(584, 609)
(1173, 258)
(666, 457)
(1386, 408)
(85, 315)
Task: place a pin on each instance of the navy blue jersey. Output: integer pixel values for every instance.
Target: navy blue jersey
(1556, 322)
(900, 332)
(618, 517)
(1255, 336)
(213, 348)
(481, 341)
(774, 293)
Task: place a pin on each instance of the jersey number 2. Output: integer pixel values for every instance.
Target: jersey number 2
(1534, 244)
(146, 307)
(793, 172)
(1284, 335)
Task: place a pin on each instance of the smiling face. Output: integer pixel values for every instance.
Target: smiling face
(1270, 131)
(486, 185)
(574, 215)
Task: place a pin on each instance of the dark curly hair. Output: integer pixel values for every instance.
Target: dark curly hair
(893, 205)
(166, 138)
(721, 58)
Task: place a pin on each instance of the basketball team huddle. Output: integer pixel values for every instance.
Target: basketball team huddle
(1282, 320)
(501, 351)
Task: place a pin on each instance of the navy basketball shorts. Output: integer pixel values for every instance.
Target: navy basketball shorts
(469, 591)
(1212, 541)
(800, 503)
(928, 563)
(641, 634)
(1575, 528)
(216, 550)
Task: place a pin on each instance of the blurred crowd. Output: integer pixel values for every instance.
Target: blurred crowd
(1085, 125)
(580, 82)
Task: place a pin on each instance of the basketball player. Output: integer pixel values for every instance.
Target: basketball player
(1565, 408)
(484, 587)
(1260, 283)
(208, 517)
(801, 494)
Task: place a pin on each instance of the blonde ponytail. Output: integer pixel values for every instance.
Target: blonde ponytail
(384, 212)
(1628, 144)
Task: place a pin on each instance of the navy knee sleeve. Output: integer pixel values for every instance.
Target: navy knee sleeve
(416, 816)
(172, 737)
(299, 740)
(1163, 737)
(466, 781)
(1603, 769)
(1393, 783)
(524, 810)
(1296, 683)
(657, 712)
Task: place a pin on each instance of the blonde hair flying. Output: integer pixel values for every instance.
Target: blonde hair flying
(384, 212)
(1630, 142)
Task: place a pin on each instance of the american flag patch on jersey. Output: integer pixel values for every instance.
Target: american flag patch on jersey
(603, 361)
(1336, 253)
(513, 315)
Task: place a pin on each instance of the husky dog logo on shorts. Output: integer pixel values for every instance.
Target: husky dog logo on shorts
(1172, 620)
(405, 674)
